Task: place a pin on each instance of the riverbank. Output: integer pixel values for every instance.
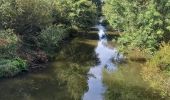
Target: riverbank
(32, 31)
(127, 84)
(61, 78)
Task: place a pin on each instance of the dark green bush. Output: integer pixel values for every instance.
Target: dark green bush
(10, 63)
(49, 38)
(12, 67)
(25, 15)
(8, 44)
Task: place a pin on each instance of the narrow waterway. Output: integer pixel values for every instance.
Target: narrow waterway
(105, 55)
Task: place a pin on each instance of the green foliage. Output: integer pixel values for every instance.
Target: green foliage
(12, 67)
(127, 84)
(144, 23)
(50, 37)
(24, 15)
(8, 44)
(157, 70)
(77, 13)
(40, 25)
(10, 63)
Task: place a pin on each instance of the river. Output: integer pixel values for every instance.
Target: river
(76, 73)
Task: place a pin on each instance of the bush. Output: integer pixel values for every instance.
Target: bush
(12, 67)
(8, 44)
(157, 70)
(10, 64)
(50, 37)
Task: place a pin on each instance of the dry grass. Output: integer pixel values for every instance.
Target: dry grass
(138, 55)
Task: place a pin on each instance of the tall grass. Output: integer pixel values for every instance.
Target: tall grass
(157, 70)
(127, 84)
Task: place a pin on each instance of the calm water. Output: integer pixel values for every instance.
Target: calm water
(105, 55)
(76, 74)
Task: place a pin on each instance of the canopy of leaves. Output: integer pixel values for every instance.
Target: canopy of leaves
(144, 22)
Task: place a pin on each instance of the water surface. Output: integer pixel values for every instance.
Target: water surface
(64, 79)
(105, 56)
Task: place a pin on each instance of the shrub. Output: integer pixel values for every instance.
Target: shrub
(12, 67)
(157, 70)
(8, 44)
(10, 64)
(50, 37)
(138, 55)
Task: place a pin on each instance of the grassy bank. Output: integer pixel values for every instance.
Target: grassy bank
(127, 84)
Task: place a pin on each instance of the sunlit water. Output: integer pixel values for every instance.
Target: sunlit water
(105, 55)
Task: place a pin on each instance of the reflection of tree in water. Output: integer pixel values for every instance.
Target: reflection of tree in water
(79, 53)
(73, 72)
(75, 77)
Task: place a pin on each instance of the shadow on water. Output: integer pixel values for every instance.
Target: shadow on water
(59, 81)
(34, 86)
(64, 79)
(110, 35)
(79, 52)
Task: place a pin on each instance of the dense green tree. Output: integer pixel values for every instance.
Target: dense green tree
(143, 22)
(76, 13)
(25, 16)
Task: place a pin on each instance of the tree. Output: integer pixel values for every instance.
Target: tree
(144, 23)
